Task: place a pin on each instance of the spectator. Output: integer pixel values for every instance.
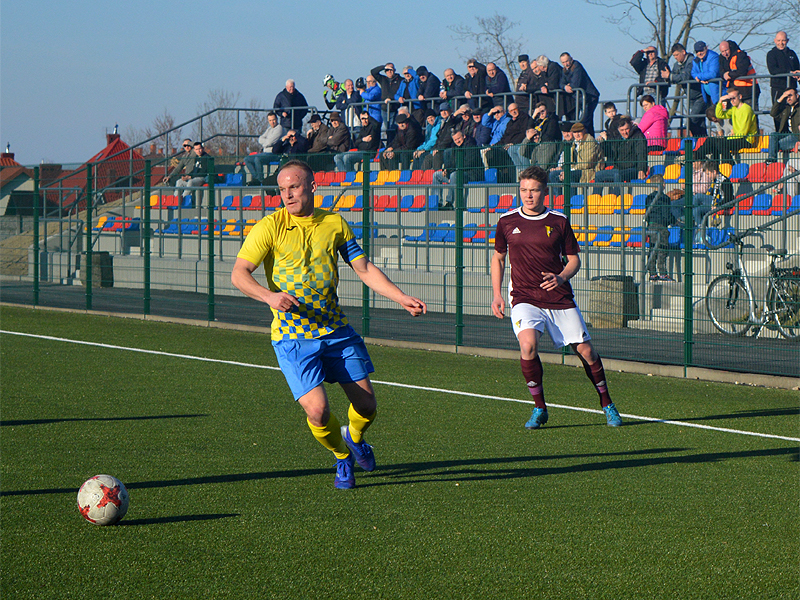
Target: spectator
(429, 87)
(407, 94)
(348, 104)
(317, 137)
(291, 106)
(464, 122)
(540, 145)
(736, 69)
(475, 84)
(654, 123)
(367, 142)
(428, 139)
(495, 156)
(398, 155)
(291, 144)
(472, 165)
(255, 163)
(547, 84)
(525, 84)
(496, 84)
(196, 176)
(713, 190)
(338, 137)
(432, 157)
(658, 218)
(390, 83)
(705, 68)
(786, 113)
(651, 69)
(682, 75)
(332, 92)
(574, 77)
(585, 154)
(453, 86)
(371, 94)
(782, 60)
(611, 123)
(743, 120)
(629, 157)
(567, 139)
(182, 164)
(482, 133)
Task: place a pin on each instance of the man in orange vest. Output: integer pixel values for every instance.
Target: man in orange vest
(737, 71)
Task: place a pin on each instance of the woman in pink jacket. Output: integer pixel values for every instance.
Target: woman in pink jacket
(654, 123)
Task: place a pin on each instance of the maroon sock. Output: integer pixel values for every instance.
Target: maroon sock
(597, 376)
(532, 372)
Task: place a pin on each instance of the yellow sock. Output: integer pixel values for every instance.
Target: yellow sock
(359, 424)
(330, 436)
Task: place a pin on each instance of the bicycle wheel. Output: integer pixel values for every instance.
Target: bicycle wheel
(728, 305)
(784, 303)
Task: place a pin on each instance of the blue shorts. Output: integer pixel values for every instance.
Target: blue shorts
(339, 357)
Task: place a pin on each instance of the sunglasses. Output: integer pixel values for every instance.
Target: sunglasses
(187, 145)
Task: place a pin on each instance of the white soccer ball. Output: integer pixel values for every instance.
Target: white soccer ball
(103, 500)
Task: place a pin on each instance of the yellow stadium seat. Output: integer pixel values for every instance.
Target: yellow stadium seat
(592, 203)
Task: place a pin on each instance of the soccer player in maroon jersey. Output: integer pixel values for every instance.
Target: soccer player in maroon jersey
(543, 254)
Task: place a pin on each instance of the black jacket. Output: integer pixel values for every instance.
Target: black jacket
(372, 128)
(516, 129)
(300, 146)
(389, 86)
(639, 63)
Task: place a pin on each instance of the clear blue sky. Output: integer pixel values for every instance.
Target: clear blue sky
(69, 71)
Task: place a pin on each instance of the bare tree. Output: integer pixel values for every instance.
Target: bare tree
(227, 129)
(666, 22)
(158, 133)
(493, 42)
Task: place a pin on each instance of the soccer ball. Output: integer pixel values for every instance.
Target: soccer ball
(103, 500)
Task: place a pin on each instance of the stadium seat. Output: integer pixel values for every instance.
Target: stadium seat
(576, 204)
(585, 238)
(490, 176)
(674, 146)
(491, 203)
(346, 202)
(604, 236)
(556, 202)
(256, 203)
(504, 203)
(391, 205)
(673, 172)
(726, 169)
(406, 202)
(638, 204)
(739, 172)
(433, 202)
(592, 201)
(656, 170)
(427, 177)
(624, 204)
(418, 205)
(779, 201)
(762, 205)
(405, 176)
(774, 172)
(608, 204)
(745, 206)
(761, 146)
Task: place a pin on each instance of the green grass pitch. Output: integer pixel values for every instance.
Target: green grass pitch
(231, 497)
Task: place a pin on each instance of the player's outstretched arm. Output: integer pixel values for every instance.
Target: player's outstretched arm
(498, 270)
(242, 278)
(377, 281)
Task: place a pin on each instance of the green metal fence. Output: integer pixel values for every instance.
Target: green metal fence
(154, 251)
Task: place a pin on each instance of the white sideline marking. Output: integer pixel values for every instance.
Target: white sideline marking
(409, 386)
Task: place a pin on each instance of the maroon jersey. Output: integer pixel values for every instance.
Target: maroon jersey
(536, 245)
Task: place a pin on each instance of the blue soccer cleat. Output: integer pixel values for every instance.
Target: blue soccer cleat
(344, 480)
(612, 415)
(362, 451)
(538, 418)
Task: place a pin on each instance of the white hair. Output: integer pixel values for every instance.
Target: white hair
(543, 61)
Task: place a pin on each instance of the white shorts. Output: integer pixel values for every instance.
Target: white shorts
(565, 326)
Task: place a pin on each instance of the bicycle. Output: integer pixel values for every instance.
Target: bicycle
(730, 298)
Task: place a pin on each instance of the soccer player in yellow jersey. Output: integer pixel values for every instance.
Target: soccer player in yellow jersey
(299, 247)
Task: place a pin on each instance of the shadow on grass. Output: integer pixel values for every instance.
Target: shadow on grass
(466, 469)
(177, 519)
(78, 419)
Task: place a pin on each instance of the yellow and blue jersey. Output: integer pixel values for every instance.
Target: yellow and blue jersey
(300, 256)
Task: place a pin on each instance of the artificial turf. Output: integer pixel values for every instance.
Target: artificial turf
(232, 497)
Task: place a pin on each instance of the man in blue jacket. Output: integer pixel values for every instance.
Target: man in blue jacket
(704, 70)
(408, 92)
